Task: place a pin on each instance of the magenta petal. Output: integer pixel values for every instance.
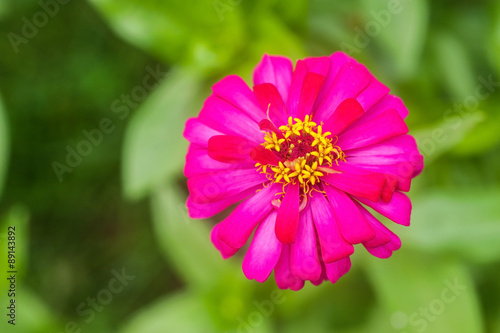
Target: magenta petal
(266, 125)
(337, 60)
(234, 90)
(381, 235)
(203, 211)
(198, 162)
(299, 74)
(239, 225)
(230, 149)
(264, 251)
(225, 250)
(353, 226)
(347, 112)
(372, 94)
(337, 269)
(356, 181)
(350, 81)
(319, 65)
(264, 156)
(288, 215)
(275, 70)
(198, 133)
(282, 273)
(310, 89)
(397, 210)
(402, 171)
(386, 125)
(333, 245)
(219, 185)
(387, 103)
(304, 261)
(228, 119)
(385, 242)
(270, 99)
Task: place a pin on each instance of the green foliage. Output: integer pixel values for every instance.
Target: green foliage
(468, 224)
(153, 152)
(4, 145)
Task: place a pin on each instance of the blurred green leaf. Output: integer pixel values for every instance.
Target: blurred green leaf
(154, 149)
(420, 293)
(274, 37)
(482, 138)
(185, 242)
(437, 139)
(454, 65)
(181, 312)
(399, 28)
(201, 34)
(464, 222)
(494, 51)
(4, 145)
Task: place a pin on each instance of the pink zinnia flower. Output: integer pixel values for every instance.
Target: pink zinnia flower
(304, 153)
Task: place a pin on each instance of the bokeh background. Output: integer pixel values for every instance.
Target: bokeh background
(94, 96)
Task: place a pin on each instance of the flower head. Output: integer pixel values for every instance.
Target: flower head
(304, 153)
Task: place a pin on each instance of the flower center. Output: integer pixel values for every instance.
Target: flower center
(303, 149)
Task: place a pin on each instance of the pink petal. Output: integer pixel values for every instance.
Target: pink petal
(299, 74)
(359, 134)
(337, 60)
(350, 81)
(387, 103)
(402, 148)
(347, 112)
(353, 226)
(270, 99)
(337, 269)
(275, 70)
(319, 65)
(310, 89)
(266, 125)
(227, 119)
(288, 215)
(398, 210)
(372, 94)
(356, 181)
(387, 241)
(219, 185)
(333, 245)
(203, 211)
(282, 273)
(198, 133)
(198, 162)
(304, 261)
(234, 90)
(264, 251)
(230, 149)
(381, 235)
(225, 250)
(402, 171)
(239, 225)
(264, 156)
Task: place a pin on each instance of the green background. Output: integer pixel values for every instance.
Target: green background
(121, 207)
